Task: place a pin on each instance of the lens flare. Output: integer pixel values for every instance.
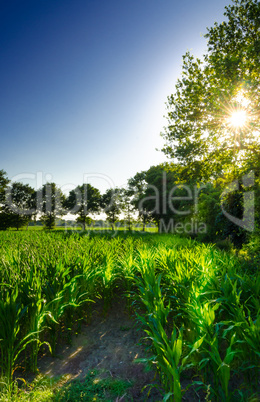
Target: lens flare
(238, 118)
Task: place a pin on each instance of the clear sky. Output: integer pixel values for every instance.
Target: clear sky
(84, 84)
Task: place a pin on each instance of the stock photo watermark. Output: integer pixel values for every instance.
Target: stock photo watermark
(248, 205)
(170, 208)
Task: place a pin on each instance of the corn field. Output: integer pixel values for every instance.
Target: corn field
(198, 307)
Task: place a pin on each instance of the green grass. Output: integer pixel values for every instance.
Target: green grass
(198, 305)
(94, 387)
(89, 228)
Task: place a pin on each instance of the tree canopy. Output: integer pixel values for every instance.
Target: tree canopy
(50, 200)
(112, 203)
(20, 204)
(3, 183)
(213, 115)
(83, 200)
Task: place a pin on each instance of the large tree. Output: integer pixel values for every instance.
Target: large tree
(82, 201)
(112, 205)
(213, 115)
(166, 201)
(159, 197)
(50, 204)
(20, 204)
(128, 207)
(137, 186)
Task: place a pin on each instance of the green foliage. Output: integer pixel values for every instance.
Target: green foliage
(3, 184)
(48, 220)
(199, 134)
(18, 205)
(82, 201)
(41, 389)
(12, 342)
(92, 388)
(112, 205)
(5, 220)
(210, 211)
(253, 246)
(200, 137)
(136, 189)
(127, 208)
(21, 201)
(50, 204)
(159, 197)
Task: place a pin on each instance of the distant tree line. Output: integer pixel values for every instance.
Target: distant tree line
(145, 200)
(156, 196)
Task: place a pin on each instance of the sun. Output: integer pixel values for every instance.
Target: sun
(238, 119)
(237, 112)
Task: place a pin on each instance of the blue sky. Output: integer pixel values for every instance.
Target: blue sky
(84, 84)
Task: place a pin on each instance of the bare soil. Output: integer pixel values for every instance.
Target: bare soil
(109, 344)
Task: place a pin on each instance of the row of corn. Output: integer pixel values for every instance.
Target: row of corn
(199, 308)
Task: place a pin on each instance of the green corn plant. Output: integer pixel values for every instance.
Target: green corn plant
(37, 310)
(89, 286)
(231, 295)
(167, 352)
(249, 331)
(56, 311)
(252, 289)
(252, 338)
(57, 276)
(178, 290)
(12, 343)
(108, 277)
(69, 296)
(203, 317)
(221, 366)
(127, 267)
(167, 349)
(200, 324)
(247, 328)
(151, 297)
(149, 286)
(76, 296)
(166, 343)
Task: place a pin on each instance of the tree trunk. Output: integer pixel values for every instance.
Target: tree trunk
(143, 225)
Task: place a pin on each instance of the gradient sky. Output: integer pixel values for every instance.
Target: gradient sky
(84, 84)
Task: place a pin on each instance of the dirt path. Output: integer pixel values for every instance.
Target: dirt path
(108, 344)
